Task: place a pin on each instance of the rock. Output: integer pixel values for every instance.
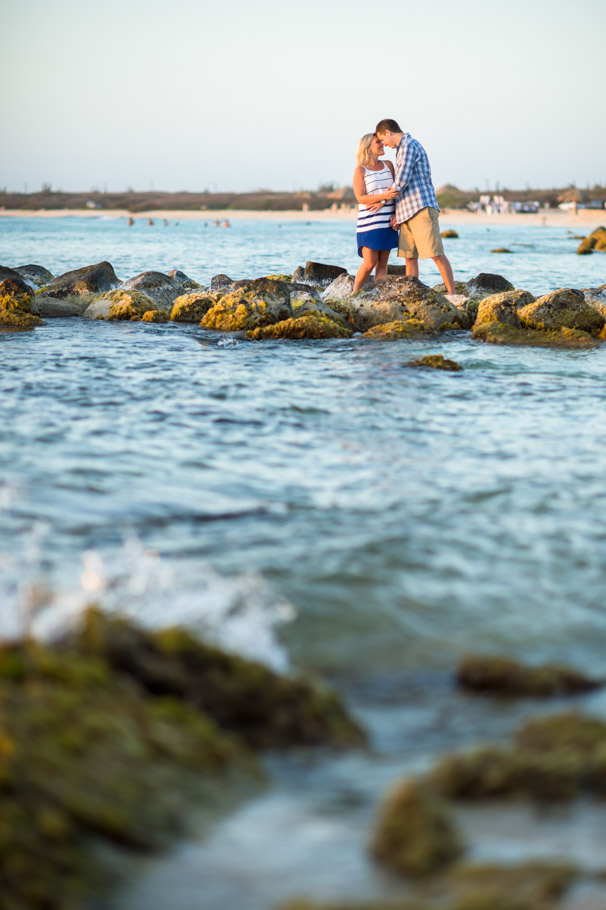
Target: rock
(131, 305)
(497, 333)
(98, 309)
(595, 241)
(485, 283)
(193, 306)
(183, 280)
(341, 287)
(259, 303)
(92, 279)
(501, 308)
(219, 282)
(458, 300)
(300, 290)
(399, 328)
(298, 276)
(585, 247)
(496, 675)
(450, 234)
(565, 308)
(310, 325)
(501, 249)
(399, 270)
(460, 288)
(155, 316)
(420, 301)
(36, 275)
(53, 308)
(435, 362)
(304, 306)
(415, 833)
(162, 289)
(319, 273)
(15, 311)
(12, 284)
(343, 306)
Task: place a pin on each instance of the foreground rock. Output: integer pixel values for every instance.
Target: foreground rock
(496, 675)
(562, 309)
(501, 309)
(402, 298)
(310, 325)
(53, 308)
(193, 306)
(109, 737)
(318, 273)
(123, 305)
(595, 241)
(435, 362)
(162, 289)
(12, 284)
(258, 303)
(92, 279)
(15, 312)
(340, 288)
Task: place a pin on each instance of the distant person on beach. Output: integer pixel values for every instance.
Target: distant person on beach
(372, 185)
(416, 206)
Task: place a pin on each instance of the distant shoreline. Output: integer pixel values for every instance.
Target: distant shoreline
(584, 218)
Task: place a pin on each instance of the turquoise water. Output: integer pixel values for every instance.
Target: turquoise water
(316, 503)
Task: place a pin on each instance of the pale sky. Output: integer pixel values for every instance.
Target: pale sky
(249, 94)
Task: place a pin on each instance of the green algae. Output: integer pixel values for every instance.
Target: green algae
(128, 305)
(15, 312)
(498, 333)
(154, 316)
(399, 328)
(497, 675)
(192, 307)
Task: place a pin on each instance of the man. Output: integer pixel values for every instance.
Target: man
(416, 204)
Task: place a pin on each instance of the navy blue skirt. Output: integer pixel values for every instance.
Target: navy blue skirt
(379, 239)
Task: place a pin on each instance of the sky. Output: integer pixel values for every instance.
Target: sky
(240, 95)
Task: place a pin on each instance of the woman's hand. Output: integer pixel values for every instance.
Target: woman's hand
(393, 223)
(391, 193)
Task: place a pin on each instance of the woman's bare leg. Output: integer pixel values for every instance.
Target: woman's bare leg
(369, 261)
(381, 271)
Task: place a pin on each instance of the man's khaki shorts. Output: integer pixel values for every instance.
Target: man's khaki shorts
(420, 236)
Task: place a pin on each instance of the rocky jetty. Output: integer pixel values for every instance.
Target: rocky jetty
(110, 737)
(316, 302)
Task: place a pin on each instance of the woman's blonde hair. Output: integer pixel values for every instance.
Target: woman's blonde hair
(363, 154)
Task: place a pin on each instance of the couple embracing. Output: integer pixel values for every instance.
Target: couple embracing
(402, 199)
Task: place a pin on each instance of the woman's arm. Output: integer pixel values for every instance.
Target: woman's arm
(368, 198)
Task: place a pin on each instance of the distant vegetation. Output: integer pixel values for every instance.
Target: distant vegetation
(325, 197)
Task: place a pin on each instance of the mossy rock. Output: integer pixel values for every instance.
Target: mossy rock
(238, 311)
(497, 333)
(565, 308)
(415, 834)
(192, 307)
(497, 675)
(263, 708)
(435, 362)
(501, 249)
(501, 308)
(154, 316)
(450, 234)
(128, 305)
(460, 288)
(310, 325)
(399, 328)
(15, 313)
(585, 247)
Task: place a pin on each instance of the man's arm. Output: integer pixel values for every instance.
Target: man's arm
(405, 161)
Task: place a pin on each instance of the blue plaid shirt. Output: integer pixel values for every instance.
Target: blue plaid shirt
(413, 179)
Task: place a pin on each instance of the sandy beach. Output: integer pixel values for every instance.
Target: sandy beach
(584, 219)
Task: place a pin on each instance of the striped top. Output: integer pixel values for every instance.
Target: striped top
(376, 182)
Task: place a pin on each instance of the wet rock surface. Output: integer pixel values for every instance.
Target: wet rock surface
(92, 279)
(162, 289)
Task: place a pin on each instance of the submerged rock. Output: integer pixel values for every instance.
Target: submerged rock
(193, 306)
(309, 325)
(562, 309)
(496, 675)
(162, 289)
(415, 833)
(92, 279)
(435, 362)
(501, 249)
(450, 234)
(399, 328)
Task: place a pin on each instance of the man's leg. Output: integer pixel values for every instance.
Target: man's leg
(412, 268)
(445, 270)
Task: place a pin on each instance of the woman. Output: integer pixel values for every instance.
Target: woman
(372, 184)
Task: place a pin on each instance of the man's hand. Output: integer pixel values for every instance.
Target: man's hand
(391, 193)
(393, 223)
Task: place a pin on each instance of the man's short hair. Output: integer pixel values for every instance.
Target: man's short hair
(387, 124)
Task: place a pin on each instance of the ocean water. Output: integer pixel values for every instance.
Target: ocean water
(316, 504)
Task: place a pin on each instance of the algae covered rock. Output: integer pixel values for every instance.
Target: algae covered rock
(12, 284)
(15, 312)
(162, 289)
(255, 304)
(264, 709)
(183, 280)
(502, 308)
(399, 328)
(193, 306)
(309, 325)
(497, 675)
(498, 333)
(120, 304)
(155, 316)
(595, 241)
(421, 302)
(435, 362)
(92, 279)
(450, 234)
(562, 309)
(415, 834)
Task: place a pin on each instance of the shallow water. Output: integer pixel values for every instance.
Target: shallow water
(311, 502)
